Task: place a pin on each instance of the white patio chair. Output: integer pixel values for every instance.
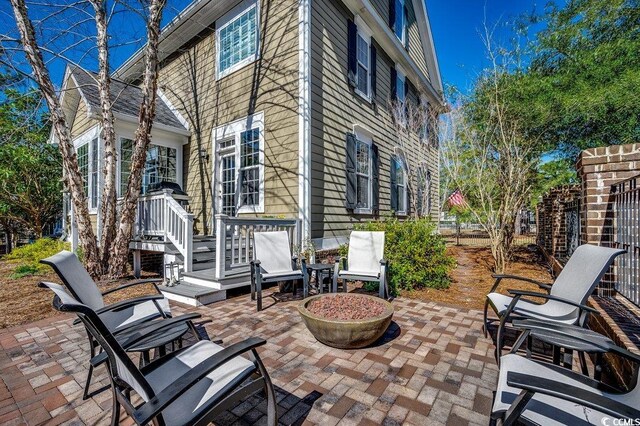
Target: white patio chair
(190, 386)
(365, 261)
(273, 262)
(566, 299)
(531, 392)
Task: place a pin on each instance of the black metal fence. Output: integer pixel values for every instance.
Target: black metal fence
(572, 226)
(476, 237)
(626, 234)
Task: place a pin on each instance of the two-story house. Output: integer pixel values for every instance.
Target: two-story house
(270, 113)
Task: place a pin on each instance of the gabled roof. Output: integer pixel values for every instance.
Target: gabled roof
(201, 14)
(424, 27)
(126, 98)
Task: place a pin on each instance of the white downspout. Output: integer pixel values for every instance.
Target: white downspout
(304, 117)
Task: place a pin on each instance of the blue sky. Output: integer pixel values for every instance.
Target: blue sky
(456, 26)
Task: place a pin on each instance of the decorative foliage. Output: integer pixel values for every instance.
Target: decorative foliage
(28, 257)
(416, 253)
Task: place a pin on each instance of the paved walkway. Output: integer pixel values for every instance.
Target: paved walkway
(432, 367)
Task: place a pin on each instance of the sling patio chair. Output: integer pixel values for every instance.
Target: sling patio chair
(365, 261)
(566, 299)
(190, 386)
(533, 392)
(273, 262)
(118, 317)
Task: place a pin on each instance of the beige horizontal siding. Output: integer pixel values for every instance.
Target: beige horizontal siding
(268, 85)
(81, 122)
(335, 109)
(415, 49)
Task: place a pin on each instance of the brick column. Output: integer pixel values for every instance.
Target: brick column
(598, 169)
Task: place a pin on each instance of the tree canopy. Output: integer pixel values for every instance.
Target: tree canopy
(30, 167)
(580, 89)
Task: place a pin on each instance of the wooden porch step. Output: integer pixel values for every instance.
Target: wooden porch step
(206, 278)
(192, 294)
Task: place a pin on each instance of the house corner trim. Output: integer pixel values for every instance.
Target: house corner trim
(304, 117)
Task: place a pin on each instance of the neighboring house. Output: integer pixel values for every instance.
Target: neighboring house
(269, 110)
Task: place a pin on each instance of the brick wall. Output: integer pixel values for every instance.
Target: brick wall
(598, 169)
(552, 223)
(151, 261)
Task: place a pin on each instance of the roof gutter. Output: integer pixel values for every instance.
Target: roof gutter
(170, 28)
(132, 119)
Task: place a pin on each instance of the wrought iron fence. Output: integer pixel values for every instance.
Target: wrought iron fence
(626, 234)
(572, 226)
(471, 237)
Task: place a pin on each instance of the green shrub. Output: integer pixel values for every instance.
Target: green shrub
(24, 270)
(28, 257)
(416, 253)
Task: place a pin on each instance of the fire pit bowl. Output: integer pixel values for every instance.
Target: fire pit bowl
(345, 333)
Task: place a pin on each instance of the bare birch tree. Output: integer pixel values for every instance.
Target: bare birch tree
(110, 257)
(416, 127)
(488, 157)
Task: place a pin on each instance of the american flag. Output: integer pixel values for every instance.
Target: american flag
(456, 199)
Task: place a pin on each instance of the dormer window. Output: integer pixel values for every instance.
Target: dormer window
(237, 38)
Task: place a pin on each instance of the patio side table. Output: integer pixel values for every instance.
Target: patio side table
(567, 338)
(320, 269)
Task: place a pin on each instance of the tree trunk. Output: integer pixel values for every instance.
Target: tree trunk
(62, 132)
(9, 245)
(118, 265)
(108, 136)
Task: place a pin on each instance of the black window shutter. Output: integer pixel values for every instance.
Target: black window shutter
(394, 186)
(352, 60)
(373, 55)
(350, 198)
(394, 82)
(406, 27)
(406, 96)
(392, 14)
(375, 179)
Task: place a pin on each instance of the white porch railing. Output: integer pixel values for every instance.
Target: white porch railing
(234, 240)
(160, 215)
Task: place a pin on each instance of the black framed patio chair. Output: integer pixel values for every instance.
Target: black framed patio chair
(533, 392)
(190, 386)
(119, 317)
(364, 262)
(273, 262)
(564, 301)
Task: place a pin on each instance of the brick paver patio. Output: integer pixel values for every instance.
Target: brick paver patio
(432, 367)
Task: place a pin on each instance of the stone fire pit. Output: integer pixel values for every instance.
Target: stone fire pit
(346, 321)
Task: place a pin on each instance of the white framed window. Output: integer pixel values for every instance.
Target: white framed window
(401, 21)
(400, 85)
(237, 38)
(401, 186)
(161, 165)
(364, 178)
(239, 174)
(87, 148)
(363, 56)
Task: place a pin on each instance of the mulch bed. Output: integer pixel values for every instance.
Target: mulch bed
(22, 301)
(471, 280)
(346, 307)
